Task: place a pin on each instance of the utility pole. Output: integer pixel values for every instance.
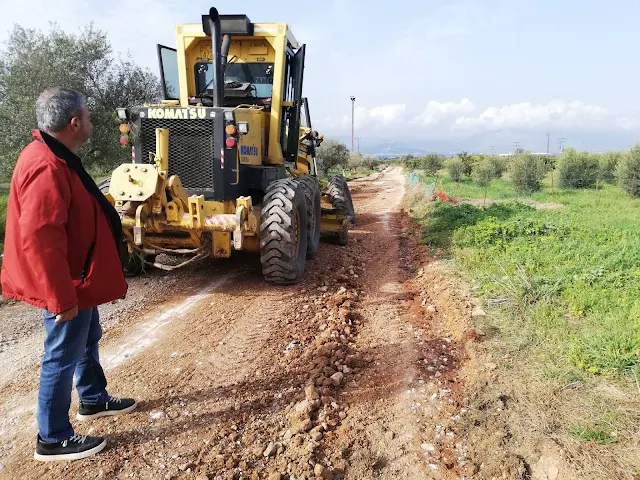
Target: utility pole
(561, 144)
(548, 138)
(492, 149)
(353, 128)
(358, 140)
(516, 145)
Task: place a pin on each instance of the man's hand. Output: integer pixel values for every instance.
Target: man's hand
(68, 315)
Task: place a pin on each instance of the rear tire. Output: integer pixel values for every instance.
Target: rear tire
(340, 196)
(312, 196)
(283, 232)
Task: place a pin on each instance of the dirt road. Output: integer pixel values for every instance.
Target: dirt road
(354, 373)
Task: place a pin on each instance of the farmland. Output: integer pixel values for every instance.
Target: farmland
(557, 274)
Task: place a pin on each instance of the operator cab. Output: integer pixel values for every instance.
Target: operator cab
(244, 83)
(248, 64)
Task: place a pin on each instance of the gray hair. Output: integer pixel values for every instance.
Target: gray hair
(56, 107)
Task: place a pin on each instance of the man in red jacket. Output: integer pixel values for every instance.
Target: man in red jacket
(62, 255)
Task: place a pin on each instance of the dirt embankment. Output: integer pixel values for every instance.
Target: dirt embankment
(357, 372)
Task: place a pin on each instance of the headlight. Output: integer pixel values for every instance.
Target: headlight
(122, 113)
(243, 128)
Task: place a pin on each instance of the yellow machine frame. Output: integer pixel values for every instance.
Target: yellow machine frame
(158, 215)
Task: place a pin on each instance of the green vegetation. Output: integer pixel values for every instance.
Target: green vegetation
(558, 272)
(484, 173)
(578, 169)
(574, 270)
(32, 60)
(628, 171)
(456, 169)
(527, 172)
(608, 166)
(430, 163)
(334, 157)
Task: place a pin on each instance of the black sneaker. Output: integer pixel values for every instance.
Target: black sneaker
(115, 406)
(73, 448)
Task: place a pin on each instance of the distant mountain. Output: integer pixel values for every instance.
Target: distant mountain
(498, 141)
(392, 149)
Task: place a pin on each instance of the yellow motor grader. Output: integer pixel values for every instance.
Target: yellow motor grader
(227, 160)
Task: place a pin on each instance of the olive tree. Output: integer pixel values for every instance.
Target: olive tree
(32, 60)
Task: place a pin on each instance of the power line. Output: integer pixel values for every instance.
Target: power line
(561, 144)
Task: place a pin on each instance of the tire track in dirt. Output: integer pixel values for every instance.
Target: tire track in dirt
(405, 407)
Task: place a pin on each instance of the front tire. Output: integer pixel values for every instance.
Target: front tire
(283, 232)
(131, 262)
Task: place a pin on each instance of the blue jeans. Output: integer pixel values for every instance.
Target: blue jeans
(69, 348)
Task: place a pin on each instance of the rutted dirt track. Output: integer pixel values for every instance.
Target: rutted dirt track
(354, 373)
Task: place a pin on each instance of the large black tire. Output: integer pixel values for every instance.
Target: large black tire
(283, 232)
(340, 196)
(312, 197)
(131, 262)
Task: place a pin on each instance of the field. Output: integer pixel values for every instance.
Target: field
(558, 275)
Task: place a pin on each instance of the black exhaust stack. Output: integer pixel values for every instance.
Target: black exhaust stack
(216, 57)
(226, 44)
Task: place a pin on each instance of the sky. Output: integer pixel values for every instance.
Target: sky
(446, 76)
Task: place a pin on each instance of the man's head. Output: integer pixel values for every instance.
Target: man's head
(63, 114)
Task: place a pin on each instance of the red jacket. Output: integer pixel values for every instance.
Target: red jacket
(52, 223)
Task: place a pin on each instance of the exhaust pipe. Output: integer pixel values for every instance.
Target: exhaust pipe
(226, 43)
(216, 57)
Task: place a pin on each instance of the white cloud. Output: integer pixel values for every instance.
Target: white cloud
(462, 117)
(437, 112)
(525, 115)
(373, 118)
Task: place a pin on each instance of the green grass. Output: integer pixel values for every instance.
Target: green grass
(467, 188)
(573, 271)
(559, 275)
(589, 435)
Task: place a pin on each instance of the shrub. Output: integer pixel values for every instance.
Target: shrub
(492, 232)
(499, 165)
(527, 172)
(628, 171)
(356, 161)
(483, 174)
(331, 154)
(370, 162)
(467, 161)
(456, 169)
(578, 169)
(608, 165)
(432, 163)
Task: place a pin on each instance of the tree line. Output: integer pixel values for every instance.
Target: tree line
(573, 169)
(32, 60)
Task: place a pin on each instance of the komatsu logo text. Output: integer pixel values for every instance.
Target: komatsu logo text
(250, 150)
(178, 113)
